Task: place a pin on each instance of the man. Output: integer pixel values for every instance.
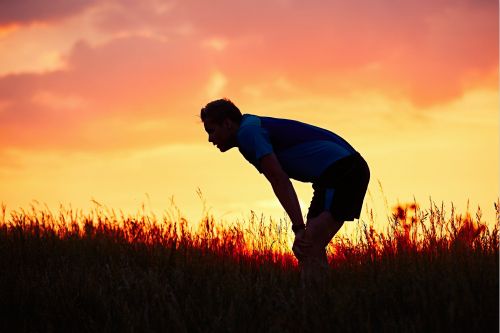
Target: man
(283, 149)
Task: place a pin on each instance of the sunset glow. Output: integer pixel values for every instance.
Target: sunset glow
(100, 99)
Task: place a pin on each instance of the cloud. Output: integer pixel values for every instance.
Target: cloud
(161, 60)
(426, 52)
(216, 43)
(328, 47)
(216, 85)
(103, 95)
(30, 11)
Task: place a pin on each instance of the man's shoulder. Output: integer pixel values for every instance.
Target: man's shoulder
(250, 124)
(250, 120)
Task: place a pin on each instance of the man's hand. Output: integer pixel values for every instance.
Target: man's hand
(302, 244)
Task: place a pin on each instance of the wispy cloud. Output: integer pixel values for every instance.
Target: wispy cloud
(33, 11)
(157, 62)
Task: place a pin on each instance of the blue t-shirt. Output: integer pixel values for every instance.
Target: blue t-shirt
(304, 151)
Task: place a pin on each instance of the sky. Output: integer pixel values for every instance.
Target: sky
(100, 100)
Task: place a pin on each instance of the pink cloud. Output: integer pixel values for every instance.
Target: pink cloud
(29, 11)
(425, 52)
(422, 51)
(130, 79)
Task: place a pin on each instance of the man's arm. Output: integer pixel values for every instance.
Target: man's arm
(282, 187)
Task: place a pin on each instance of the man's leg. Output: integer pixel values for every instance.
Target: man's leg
(321, 229)
(319, 232)
(311, 249)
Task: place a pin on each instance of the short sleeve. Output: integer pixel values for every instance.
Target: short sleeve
(254, 141)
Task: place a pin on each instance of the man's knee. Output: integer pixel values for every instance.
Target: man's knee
(323, 228)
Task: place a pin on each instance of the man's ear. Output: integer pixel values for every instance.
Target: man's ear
(227, 123)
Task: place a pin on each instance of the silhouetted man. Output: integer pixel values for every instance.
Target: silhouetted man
(282, 149)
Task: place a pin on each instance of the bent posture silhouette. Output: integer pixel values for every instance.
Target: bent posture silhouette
(284, 149)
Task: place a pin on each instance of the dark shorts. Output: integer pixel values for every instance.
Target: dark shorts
(341, 189)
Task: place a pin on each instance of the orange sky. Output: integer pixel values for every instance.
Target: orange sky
(99, 99)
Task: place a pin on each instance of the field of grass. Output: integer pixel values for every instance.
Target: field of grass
(430, 270)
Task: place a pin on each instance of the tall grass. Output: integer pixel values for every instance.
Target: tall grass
(428, 271)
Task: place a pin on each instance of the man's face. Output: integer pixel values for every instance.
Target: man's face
(219, 134)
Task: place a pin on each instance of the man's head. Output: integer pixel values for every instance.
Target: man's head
(221, 119)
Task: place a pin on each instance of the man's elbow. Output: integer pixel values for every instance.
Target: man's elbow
(271, 168)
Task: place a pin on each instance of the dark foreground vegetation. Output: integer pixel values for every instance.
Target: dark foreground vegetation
(430, 271)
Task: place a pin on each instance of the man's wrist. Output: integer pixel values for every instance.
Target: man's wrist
(298, 227)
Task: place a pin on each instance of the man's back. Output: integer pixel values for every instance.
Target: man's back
(303, 150)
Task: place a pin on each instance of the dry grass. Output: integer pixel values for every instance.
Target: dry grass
(103, 271)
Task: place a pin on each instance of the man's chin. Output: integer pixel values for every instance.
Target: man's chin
(223, 149)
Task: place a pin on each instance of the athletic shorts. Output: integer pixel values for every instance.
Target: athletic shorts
(341, 189)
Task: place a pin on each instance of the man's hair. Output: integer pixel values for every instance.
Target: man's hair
(219, 110)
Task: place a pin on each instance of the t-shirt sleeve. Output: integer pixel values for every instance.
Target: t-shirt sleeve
(254, 141)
